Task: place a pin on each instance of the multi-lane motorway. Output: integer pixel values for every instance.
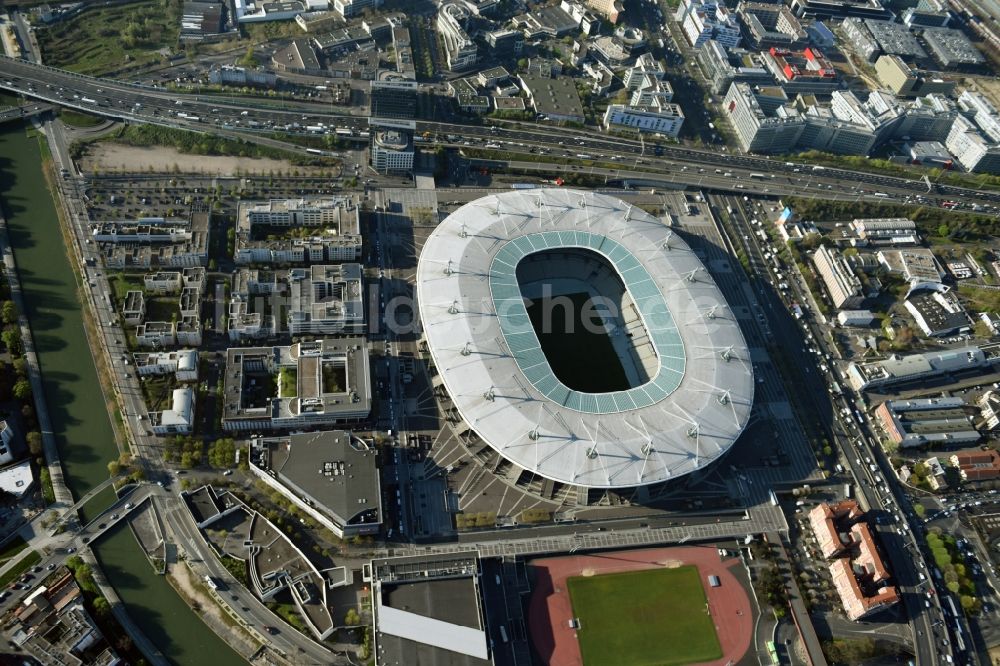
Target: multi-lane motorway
(257, 120)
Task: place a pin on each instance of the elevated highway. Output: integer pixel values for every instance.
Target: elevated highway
(258, 120)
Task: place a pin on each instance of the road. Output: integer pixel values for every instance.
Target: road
(897, 528)
(255, 119)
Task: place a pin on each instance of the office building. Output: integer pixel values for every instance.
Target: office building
(352, 8)
(504, 42)
(905, 81)
(897, 369)
(268, 232)
(975, 152)
(952, 49)
(307, 384)
(842, 285)
(459, 49)
(927, 118)
(665, 119)
(871, 38)
(331, 475)
(325, 300)
(766, 24)
(982, 111)
(916, 17)
(150, 242)
(723, 67)
(555, 99)
(926, 422)
(609, 9)
(702, 20)
(392, 96)
(756, 130)
(826, 9)
(392, 151)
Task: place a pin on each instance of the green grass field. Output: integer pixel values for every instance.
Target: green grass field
(643, 618)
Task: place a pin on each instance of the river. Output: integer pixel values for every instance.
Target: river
(76, 405)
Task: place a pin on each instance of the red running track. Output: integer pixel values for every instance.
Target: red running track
(549, 610)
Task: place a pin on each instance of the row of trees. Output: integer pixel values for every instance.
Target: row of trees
(190, 452)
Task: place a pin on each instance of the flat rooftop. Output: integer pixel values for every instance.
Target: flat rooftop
(330, 471)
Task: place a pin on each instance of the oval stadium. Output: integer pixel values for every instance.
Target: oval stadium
(583, 340)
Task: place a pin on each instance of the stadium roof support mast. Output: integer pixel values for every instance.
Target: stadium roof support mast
(592, 452)
(648, 450)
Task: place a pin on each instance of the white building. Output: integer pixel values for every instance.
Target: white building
(6, 437)
(392, 151)
(973, 151)
(183, 363)
(664, 119)
(843, 286)
(326, 300)
(351, 8)
(702, 20)
(179, 419)
(460, 51)
(17, 479)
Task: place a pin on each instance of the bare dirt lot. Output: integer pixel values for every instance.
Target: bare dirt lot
(117, 157)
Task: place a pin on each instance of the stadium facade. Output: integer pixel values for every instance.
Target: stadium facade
(688, 378)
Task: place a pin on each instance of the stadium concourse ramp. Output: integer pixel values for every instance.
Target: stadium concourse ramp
(535, 541)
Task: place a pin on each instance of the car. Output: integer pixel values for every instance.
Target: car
(102, 526)
(114, 516)
(71, 550)
(51, 566)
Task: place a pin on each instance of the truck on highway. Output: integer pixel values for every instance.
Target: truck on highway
(314, 151)
(523, 186)
(87, 100)
(344, 131)
(315, 129)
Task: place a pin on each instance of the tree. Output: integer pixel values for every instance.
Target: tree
(943, 230)
(101, 607)
(34, 439)
(22, 389)
(8, 312)
(352, 618)
(114, 469)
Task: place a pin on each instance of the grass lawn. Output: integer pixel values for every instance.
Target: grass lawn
(77, 119)
(643, 618)
(30, 560)
(108, 39)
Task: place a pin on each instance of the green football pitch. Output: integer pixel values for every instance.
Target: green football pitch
(656, 617)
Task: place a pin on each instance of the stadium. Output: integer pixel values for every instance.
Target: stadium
(650, 386)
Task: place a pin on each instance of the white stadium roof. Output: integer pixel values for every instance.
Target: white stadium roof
(699, 394)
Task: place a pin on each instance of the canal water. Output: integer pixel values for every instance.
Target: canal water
(76, 405)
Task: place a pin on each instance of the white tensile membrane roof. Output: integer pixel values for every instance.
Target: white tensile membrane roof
(699, 392)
